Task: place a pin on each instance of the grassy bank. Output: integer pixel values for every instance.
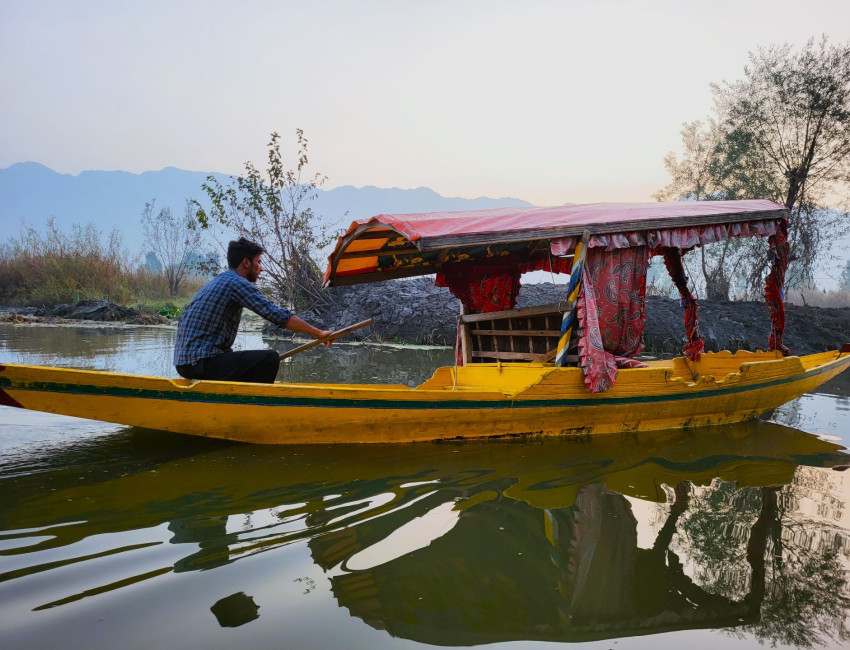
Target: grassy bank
(55, 267)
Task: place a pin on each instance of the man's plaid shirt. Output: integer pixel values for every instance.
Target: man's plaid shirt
(208, 325)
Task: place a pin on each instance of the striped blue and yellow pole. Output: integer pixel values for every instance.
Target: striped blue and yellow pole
(568, 322)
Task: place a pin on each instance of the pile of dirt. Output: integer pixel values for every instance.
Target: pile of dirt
(744, 326)
(410, 311)
(148, 318)
(416, 311)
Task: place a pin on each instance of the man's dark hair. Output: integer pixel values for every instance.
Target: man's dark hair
(240, 249)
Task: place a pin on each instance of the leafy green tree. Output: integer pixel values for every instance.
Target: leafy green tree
(173, 241)
(783, 133)
(273, 210)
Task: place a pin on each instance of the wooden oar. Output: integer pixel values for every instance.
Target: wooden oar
(330, 337)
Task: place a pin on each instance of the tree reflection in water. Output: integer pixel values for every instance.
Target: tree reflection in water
(794, 567)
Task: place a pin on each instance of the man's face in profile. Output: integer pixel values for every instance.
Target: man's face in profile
(254, 270)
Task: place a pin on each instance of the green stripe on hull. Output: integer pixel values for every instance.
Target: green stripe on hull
(395, 404)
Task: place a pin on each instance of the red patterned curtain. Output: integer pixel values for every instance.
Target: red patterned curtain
(485, 288)
(611, 313)
(774, 288)
(695, 346)
(482, 288)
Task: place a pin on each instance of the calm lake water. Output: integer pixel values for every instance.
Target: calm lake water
(112, 536)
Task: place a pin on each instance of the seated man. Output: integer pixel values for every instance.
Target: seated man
(208, 325)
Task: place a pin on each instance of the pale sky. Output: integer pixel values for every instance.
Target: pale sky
(547, 101)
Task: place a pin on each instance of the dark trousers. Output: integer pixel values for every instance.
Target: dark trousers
(258, 366)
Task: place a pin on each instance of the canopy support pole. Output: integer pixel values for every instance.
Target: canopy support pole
(774, 287)
(568, 323)
(695, 346)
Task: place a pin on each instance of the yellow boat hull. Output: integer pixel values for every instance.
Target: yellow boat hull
(482, 400)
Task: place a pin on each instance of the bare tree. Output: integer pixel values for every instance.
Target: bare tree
(844, 280)
(783, 133)
(174, 241)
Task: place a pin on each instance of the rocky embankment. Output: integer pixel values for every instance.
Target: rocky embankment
(416, 311)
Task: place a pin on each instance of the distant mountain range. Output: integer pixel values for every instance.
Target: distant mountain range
(31, 193)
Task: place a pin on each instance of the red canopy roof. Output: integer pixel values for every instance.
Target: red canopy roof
(406, 237)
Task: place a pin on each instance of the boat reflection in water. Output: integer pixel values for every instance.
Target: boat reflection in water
(555, 554)
(741, 527)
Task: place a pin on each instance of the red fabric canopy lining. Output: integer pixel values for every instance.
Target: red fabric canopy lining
(682, 238)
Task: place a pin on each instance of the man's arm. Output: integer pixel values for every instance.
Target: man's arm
(295, 324)
(251, 297)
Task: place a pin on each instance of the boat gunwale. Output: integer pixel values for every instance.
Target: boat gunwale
(422, 399)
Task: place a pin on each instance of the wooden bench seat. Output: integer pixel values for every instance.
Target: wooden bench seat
(513, 335)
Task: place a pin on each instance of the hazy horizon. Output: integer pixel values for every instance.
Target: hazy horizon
(547, 101)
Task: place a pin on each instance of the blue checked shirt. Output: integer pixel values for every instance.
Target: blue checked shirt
(208, 325)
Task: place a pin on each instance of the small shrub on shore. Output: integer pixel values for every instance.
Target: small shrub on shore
(57, 267)
(169, 311)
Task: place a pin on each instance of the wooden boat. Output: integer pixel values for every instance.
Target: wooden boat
(520, 372)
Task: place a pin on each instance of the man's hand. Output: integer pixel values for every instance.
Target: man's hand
(295, 324)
